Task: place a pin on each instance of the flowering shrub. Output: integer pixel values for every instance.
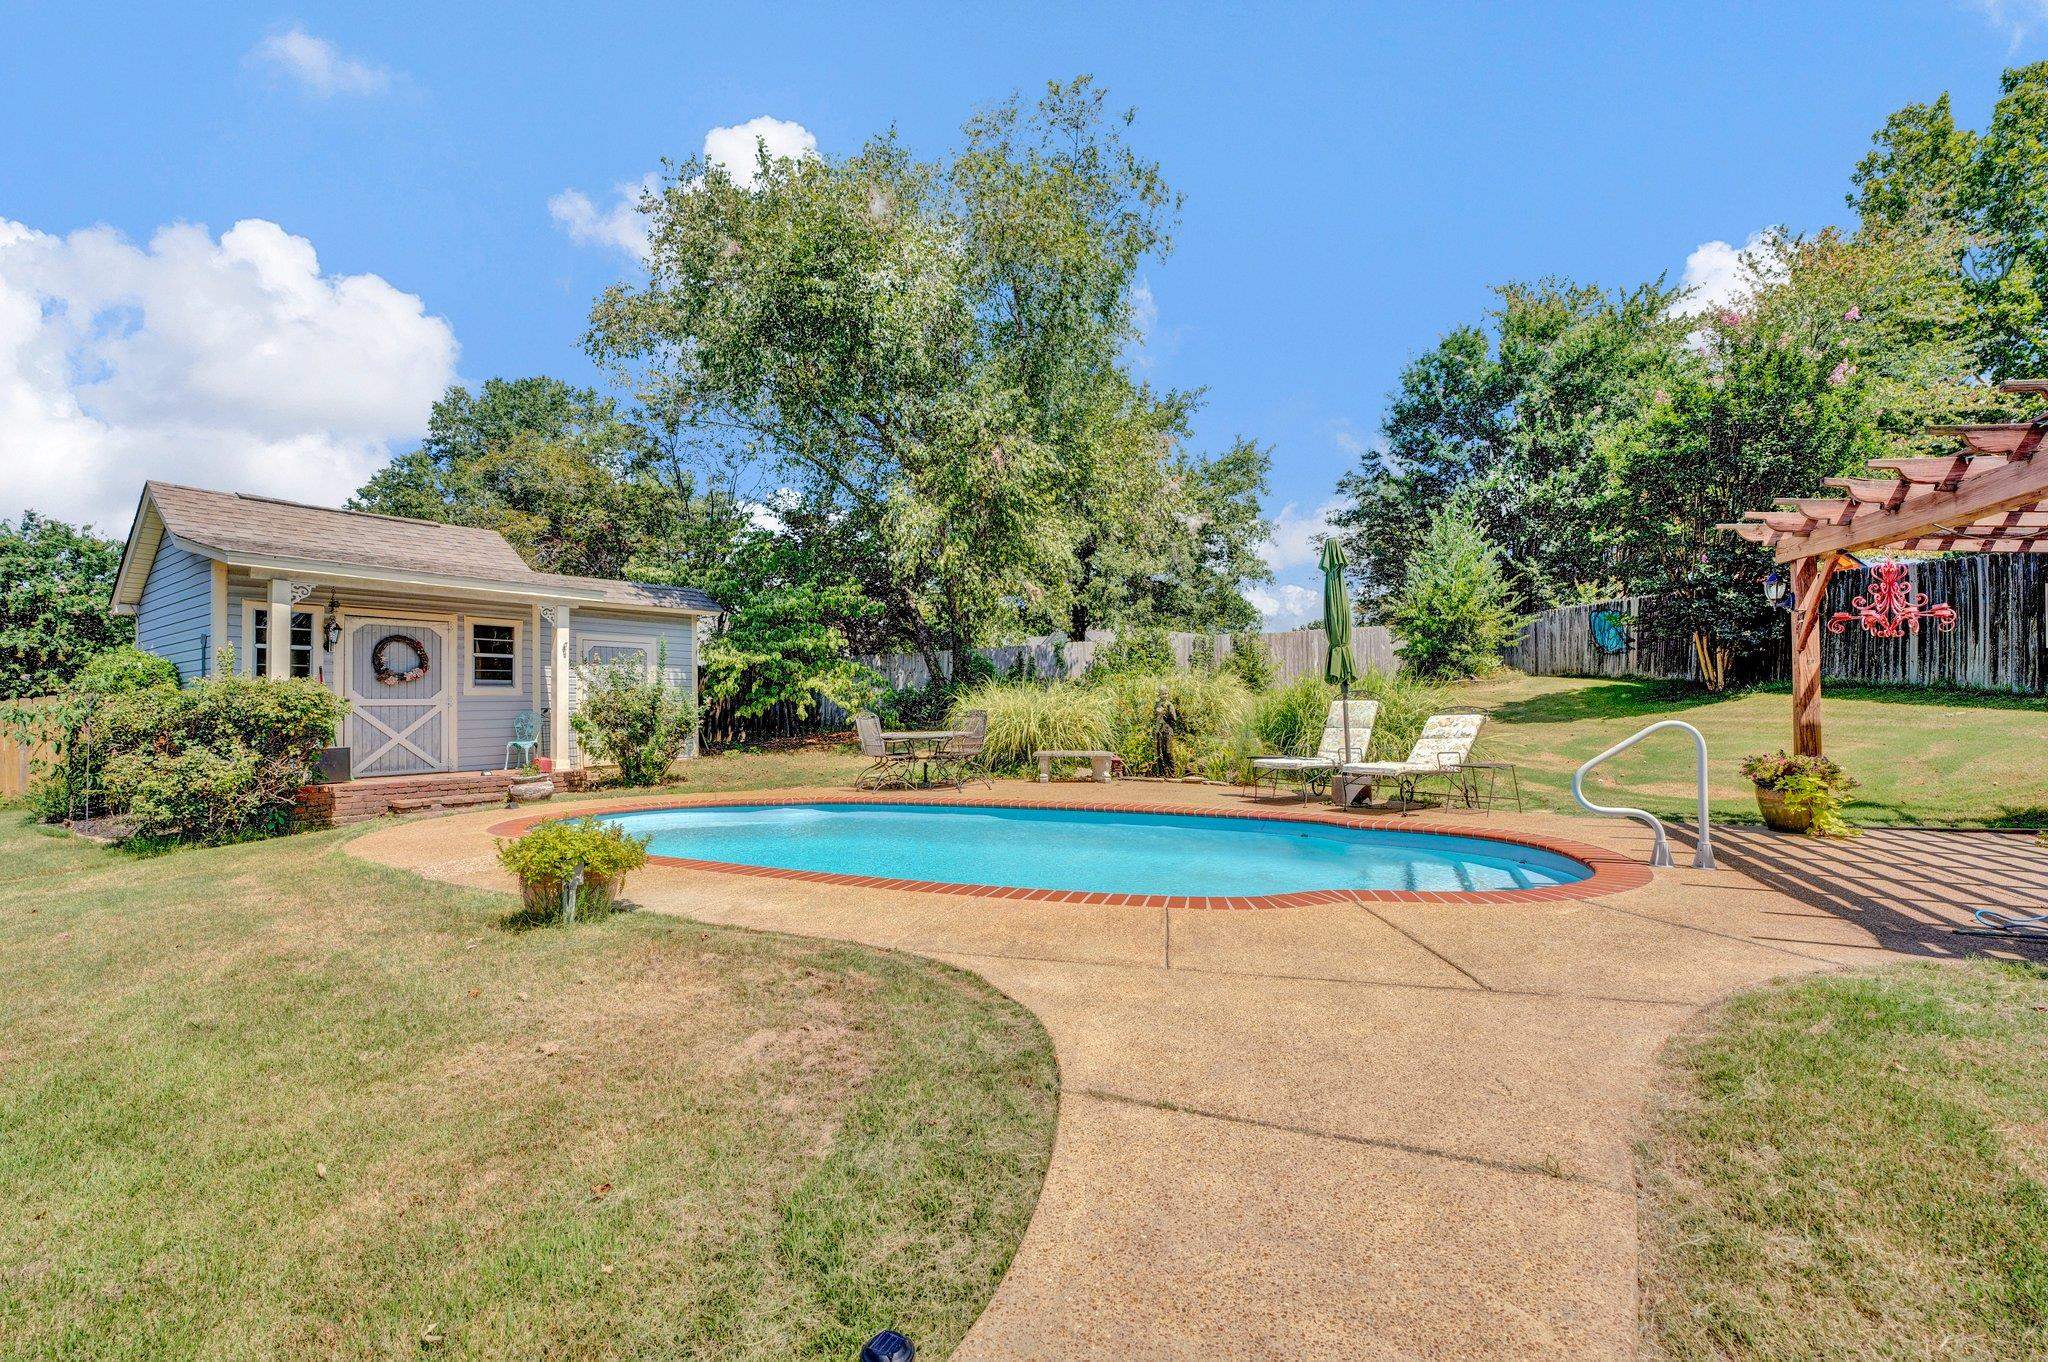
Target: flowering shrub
(639, 723)
(1812, 785)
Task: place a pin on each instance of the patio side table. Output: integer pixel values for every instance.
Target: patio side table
(1488, 795)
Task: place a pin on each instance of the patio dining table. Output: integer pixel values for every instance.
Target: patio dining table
(922, 745)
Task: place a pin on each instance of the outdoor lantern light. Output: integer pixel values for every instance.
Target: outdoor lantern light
(1774, 587)
(331, 635)
(888, 1346)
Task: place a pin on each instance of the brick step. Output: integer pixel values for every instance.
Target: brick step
(373, 797)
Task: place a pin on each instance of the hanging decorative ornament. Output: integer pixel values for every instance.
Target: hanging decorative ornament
(1891, 608)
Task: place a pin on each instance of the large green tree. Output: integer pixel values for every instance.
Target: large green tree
(1838, 350)
(55, 616)
(574, 484)
(1924, 174)
(1505, 421)
(927, 361)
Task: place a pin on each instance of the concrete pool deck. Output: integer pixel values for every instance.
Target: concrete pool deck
(1383, 1129)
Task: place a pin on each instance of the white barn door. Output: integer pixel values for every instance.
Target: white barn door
(404, 727)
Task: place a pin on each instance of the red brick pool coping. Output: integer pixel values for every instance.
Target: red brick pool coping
(1613, 873)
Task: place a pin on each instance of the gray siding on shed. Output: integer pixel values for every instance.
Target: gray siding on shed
(176, 610)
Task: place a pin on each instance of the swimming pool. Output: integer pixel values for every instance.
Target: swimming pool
(1094, 851)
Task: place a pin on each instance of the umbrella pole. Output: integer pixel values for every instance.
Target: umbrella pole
(1344, 690)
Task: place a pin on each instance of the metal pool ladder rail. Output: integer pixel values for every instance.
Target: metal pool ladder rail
(1660, 854)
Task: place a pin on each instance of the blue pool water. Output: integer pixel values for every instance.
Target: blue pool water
(1094, 852)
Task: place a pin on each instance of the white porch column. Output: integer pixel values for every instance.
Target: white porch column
(277, 662)
(558, 691)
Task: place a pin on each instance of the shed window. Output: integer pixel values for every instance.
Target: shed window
(301, 643)
(493, 655)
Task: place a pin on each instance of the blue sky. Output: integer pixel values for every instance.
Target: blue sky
(1356, 179)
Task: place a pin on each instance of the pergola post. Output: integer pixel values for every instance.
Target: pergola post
(1809, 593)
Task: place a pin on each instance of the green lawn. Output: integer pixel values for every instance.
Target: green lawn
(1923, 756)
(1855, 1168)
(271, 1102)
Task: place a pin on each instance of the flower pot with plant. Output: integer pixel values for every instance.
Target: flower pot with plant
(573, 868)
(530, 784)
(1800, 793)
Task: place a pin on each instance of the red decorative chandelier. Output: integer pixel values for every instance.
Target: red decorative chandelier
(1891, 608)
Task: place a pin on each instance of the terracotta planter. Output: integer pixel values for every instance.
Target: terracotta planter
(1777, 814)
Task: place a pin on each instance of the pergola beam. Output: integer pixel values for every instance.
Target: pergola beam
(2020, 483)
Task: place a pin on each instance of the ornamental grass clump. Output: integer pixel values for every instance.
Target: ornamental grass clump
(1029, 716)
(592, 854)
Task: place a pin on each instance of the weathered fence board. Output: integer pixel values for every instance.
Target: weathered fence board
(19, 760)
(2000, 601)
(1295, 652)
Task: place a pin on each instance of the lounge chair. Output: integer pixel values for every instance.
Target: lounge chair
(1313, 771)
(960, 759)
(887, 766)
(1441, 752)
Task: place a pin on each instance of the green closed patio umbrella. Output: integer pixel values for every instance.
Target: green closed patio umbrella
(1340, 669)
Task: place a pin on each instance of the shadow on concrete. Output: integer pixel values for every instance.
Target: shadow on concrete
(1908, 887)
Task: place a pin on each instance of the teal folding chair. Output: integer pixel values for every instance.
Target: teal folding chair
(525, 742)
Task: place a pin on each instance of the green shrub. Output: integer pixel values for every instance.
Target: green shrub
(219, 760)
(1250, 662)
(1452, 612)
(639, 723)
(1289, 721)
(1208, 727)
(120, 670)
(194, 795)
(1026, 716)
(1143, 651)
(1405, 701)
(549, 856)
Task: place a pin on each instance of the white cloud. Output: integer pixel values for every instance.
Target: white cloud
(2014, 18)
(230, 363)
(1295, 538)
(736, 150)
(1718, 275)
(620, 225)
(1286, 605)
(317, 66)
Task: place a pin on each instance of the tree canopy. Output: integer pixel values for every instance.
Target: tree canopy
(1595, 436)
(927, 363)
(55, 614)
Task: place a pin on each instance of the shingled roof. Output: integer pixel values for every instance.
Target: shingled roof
(235, 524)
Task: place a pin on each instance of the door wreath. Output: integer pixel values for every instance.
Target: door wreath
(385, 675)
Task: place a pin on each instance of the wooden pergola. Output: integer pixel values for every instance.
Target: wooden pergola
(1991, 496)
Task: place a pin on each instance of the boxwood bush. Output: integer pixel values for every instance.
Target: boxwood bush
(549, 856)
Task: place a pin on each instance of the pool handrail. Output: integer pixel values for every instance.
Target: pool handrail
(1660, 851)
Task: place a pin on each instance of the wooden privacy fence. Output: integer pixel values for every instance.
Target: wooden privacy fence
(18, 760)
(2000, 600)
(1295, 652)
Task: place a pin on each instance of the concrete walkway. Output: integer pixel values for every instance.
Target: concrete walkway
(1331, 1131)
